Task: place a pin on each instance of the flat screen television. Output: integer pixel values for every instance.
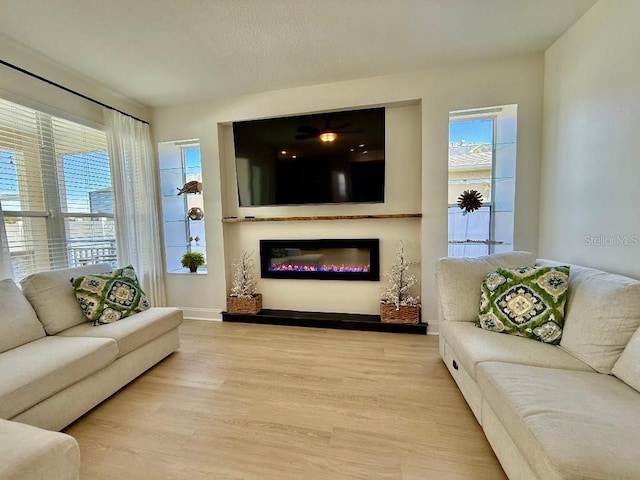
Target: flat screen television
(336, 157)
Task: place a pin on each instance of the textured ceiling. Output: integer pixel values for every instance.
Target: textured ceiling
(163, 52)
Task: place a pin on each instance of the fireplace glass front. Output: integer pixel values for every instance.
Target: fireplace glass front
(330, 259)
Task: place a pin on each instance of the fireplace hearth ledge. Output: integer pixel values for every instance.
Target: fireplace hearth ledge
(342, 321)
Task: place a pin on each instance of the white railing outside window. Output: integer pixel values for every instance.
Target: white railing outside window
(465, 229)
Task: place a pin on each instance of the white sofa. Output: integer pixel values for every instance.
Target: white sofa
(550, 412)
(55, 366)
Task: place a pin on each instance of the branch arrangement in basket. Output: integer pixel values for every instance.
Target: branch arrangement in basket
(400, 280)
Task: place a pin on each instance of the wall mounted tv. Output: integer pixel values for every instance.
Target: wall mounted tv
(335, 157)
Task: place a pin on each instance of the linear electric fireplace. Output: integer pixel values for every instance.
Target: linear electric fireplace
(331, 259)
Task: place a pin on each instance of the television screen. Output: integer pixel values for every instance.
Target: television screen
(332, 157)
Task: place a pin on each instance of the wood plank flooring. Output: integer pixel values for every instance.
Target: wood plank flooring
(245, 401)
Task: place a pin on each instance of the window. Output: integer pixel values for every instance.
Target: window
(55, 191)
(482, 158)
(182, 214)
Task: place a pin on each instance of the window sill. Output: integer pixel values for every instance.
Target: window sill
(201, 271)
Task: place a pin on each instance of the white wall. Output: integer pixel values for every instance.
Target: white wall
(591, 166)
(433, 94)
(29, 91)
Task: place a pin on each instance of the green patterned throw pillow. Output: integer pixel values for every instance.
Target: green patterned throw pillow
(110, 297)
(525, 301)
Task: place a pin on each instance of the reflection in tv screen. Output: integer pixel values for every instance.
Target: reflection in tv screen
(336, 157)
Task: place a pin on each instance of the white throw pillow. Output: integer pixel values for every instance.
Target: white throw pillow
(602, 313)
(627, 368)
(459, 281)
(18, 321)
(52, 297)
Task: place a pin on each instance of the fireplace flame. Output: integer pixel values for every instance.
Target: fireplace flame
(284, 267)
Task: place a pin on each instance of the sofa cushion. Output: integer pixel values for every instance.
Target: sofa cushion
(18, 322)
(525, 301)
(567, 424)
(627, 368)
(472, 346)
(132, 332)
(35, 371)
(110, 297)
(602, 313)
(53, 298)
(30, 453)
(459, 281)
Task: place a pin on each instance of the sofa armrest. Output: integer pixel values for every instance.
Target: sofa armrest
(458, 282)
(31, 453)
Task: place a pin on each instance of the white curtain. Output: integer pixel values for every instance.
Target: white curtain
(136, 201)
(5, 257)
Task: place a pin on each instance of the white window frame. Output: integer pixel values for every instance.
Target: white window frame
(54, 214)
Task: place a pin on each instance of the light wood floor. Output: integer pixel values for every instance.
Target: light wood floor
(242, 401)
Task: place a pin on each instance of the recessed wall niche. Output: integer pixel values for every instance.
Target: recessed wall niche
(403, 195)
(482, 163)
(182, 190)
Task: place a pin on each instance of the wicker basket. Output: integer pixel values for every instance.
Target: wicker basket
(248, 306)
(406, 313)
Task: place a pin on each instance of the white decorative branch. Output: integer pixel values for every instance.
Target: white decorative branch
(400, 280)
(244, 279)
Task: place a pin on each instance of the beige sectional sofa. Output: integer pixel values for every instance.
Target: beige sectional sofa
(550, 412)
(55, 366)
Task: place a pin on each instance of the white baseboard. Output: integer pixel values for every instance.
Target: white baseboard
(212, 314)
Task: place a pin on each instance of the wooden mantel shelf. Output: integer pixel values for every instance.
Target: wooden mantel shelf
(319, 217)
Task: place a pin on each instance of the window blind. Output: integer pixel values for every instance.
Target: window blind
(55, 191)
